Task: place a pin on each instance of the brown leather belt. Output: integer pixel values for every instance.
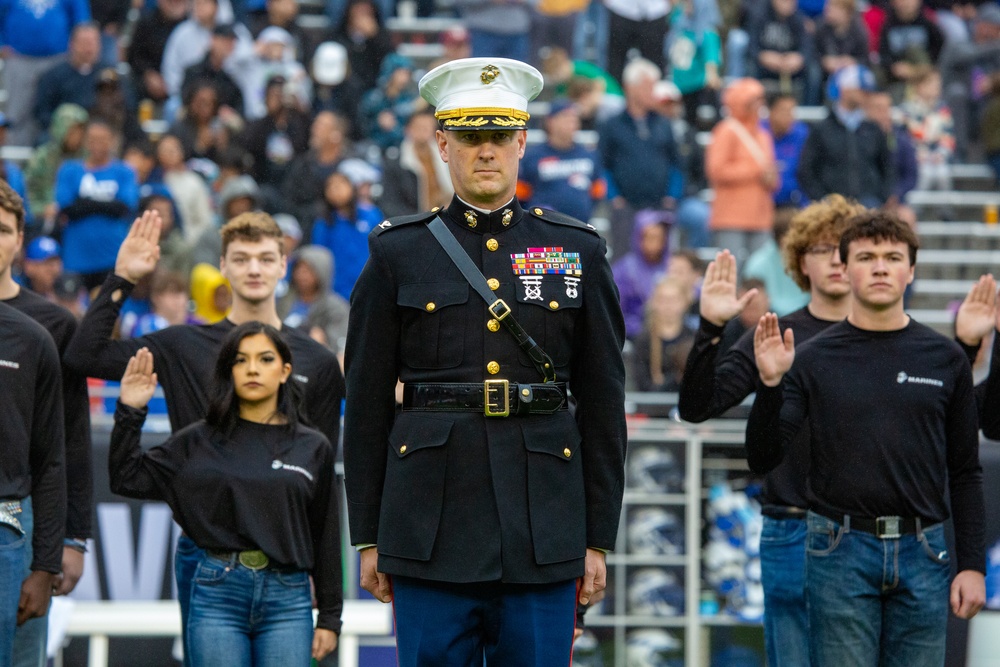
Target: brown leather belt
(494, 398)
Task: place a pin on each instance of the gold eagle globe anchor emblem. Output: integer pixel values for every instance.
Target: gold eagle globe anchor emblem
(470, 218)
(489, 74)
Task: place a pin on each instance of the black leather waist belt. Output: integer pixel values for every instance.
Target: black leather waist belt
(883, 527)
(494, 398)
(783, 512)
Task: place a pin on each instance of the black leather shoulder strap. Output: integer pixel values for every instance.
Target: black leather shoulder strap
(497, 307)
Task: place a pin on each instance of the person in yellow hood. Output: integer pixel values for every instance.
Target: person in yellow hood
(211, 293)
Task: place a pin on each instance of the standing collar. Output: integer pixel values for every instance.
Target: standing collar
(485, 222)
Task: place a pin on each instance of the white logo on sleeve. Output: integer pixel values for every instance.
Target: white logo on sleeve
(903, 378)
(9, 364)
(276, 464)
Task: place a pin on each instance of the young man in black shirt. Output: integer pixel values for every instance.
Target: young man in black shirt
(31, 465)
(892, 424)
(253, 260)
(60, 323)
(712, 385)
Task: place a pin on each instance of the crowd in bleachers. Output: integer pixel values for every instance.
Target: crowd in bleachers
(208, 108)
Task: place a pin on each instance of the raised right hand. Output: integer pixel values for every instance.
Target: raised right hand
(139, 381)
(140, 251)
(718, 302)
(977, 316)
(773, 352)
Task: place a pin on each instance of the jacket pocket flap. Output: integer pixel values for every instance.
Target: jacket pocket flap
(432, 296)
(412, 432)
(552, 436)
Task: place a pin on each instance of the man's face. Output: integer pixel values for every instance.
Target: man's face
(253, 268)
(171, 304)
(324, 130)
(483, 164)
(222, 46)
(822, 264)
(203, 12)
(43, 274)
(853, 98)
(282, 11)
(784, 7)
(782, 116)
(640, 93)
(10, 240)
(906, 9)
(563, 126)
(99, 142)
(879, 272)
(173, 9)
(85, 46)
(420, 128)
(878, 108)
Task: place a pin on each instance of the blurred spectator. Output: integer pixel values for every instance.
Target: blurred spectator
(928, 119)
(309, 304)
(780, 47)
(989, 131)
(845, 153)
(457, 45)
(205, 128)
(42, 266)
(966, 68)
(113, 104)
(168, 295)
(639, 153)
(908, 39)
(638, 271)
(211, 71)
(149, 40)
(73, 81)
(363, 176)
(560, 71)
(110, 17)
(695, 54)
(841, 37)
(240, 194)
(343, 230)
(878, 109)
(97, 197)
(553, 23)
(290, 230)
(302, 189)
(336, 88)
(742, 170)
(415, 178)
(283, 14)
(35, 37)
(210, 294)
(663, 344)
(10, 172)
(366, 40)
(275, 57)
(498, 28)
(190, 193)
(70, 294)
(65, 143)
(175, 252)
(274, 140)
(561, 174)
(748, 318)
(766, 264)
(789, 136)
(385, 110)
(636, 25)
(141, 156)
(686, 267)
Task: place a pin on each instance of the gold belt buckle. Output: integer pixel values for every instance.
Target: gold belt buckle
(254, 560)
(490, 406)
(499, 309)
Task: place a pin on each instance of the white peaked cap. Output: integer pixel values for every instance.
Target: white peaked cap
(481, 93)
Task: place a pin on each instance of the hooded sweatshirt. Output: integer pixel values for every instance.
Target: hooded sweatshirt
(636, 276)
(41, 172)
(205, 279)
(328, 310)
(736, 159)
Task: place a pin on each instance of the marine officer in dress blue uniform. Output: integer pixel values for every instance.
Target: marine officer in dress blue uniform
(484, 510)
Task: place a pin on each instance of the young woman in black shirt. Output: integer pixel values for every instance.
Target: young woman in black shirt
(253, 487)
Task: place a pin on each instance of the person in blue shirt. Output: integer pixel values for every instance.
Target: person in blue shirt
(561, 174)
(789, 137)
(10, 172)
(34, 36)
(96, 196)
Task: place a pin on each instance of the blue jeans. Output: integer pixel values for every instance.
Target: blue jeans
(31, 637)
(14, 561)
(494, 45)
(187, 556)
(876, 602)
(782, 573)
(239, 616)
(491, 623)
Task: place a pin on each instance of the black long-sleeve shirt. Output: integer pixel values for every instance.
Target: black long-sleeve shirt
(892, 421)
(708, 389)
(61, 325)
(31, 432)
(264, 487)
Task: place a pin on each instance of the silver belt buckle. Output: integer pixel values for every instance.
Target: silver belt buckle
(9, 509)
(888, 527)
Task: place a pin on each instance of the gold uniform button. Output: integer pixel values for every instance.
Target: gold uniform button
(525, 392)
(430, 307)
(492, 245)
(553, 304)
(402, 450)
(538, 211)
(493, 368)
(566, 452)
(493, 325)
(435, 209)
(493, 283)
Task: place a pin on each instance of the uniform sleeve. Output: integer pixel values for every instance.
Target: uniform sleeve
(48, 477)
(325, 521)
(372, 362)
(965, 475)
(709, 389)
(598, 384)
(134, 473)
(92, 352)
